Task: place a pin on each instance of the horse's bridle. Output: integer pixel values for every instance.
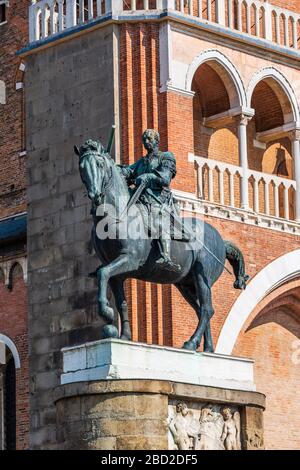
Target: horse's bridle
(107, 178)
(106, 182)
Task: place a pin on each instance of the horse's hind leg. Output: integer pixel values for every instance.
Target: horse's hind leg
(190, 296)
(208, 342)
(206, 310)
(117, 287)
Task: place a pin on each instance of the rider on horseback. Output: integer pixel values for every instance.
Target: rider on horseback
(156, 171)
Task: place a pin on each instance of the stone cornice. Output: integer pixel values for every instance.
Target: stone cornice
(184, 20)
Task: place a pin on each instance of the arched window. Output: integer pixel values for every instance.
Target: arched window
(7, 399)
(10, 405)
(16, 273)
(3, 11)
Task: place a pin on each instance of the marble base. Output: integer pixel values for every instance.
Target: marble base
(115, 359)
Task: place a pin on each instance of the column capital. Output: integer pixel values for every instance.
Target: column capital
(243, 115)
(294, 135)
(243, 119)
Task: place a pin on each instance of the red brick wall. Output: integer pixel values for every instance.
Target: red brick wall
(182, 318)
(269, 337)
(139, 62)
(13, 304)
(175, 123)
(268, 111)
(158, 314)
(13, 323)
(13, 36)
(289, 4)
(222, 144)
(211, 91)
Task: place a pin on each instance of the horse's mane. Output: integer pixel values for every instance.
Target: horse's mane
(96, 148)
(116, 171)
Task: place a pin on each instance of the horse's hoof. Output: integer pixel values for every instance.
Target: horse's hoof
(190, 346)
(107, 313)
(209, 350)
(110, 331)
(125, 337)
(126, 332)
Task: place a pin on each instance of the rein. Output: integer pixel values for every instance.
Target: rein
(106, 184)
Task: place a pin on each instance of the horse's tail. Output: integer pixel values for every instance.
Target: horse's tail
(236, 259)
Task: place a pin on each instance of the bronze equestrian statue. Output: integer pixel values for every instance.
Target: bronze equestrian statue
(139, 195)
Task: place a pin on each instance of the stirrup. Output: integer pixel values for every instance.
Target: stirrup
(168, 264)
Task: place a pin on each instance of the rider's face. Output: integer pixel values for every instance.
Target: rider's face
(149, 142)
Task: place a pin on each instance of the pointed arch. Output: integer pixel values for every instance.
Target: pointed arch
(13, 349)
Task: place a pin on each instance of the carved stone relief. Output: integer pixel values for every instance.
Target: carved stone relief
(200, 426)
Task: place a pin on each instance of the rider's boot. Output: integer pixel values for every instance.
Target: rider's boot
(165, 260)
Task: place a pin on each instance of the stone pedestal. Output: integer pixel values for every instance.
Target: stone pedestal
(125, 396)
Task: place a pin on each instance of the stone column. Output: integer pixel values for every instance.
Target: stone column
(268, 21)
(32, 22)
(220, 11)
(295, 140)
(115, 7)
(166, 4)
(243, 157)
(71, 14)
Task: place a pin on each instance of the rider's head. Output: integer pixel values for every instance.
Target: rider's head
(151, 140)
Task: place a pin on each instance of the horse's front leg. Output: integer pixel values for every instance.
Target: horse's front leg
(117, 287)
(104, 273)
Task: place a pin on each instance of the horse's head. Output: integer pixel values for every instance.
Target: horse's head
(93, 168)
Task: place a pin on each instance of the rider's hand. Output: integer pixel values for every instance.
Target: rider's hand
(146, 178)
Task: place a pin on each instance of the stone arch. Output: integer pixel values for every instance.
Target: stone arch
(15, 268)
(21, 266)
(7, 268)
(231, 77)
(282, 88)
(13, 349)
(272, 276)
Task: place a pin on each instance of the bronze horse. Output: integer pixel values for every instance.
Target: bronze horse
(130, 257)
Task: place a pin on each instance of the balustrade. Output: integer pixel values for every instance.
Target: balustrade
(251, 17)
(222, 183)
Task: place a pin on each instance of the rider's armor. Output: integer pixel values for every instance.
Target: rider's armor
(157, 198)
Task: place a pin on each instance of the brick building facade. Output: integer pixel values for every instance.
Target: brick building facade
(14, 379)
(222, 86)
